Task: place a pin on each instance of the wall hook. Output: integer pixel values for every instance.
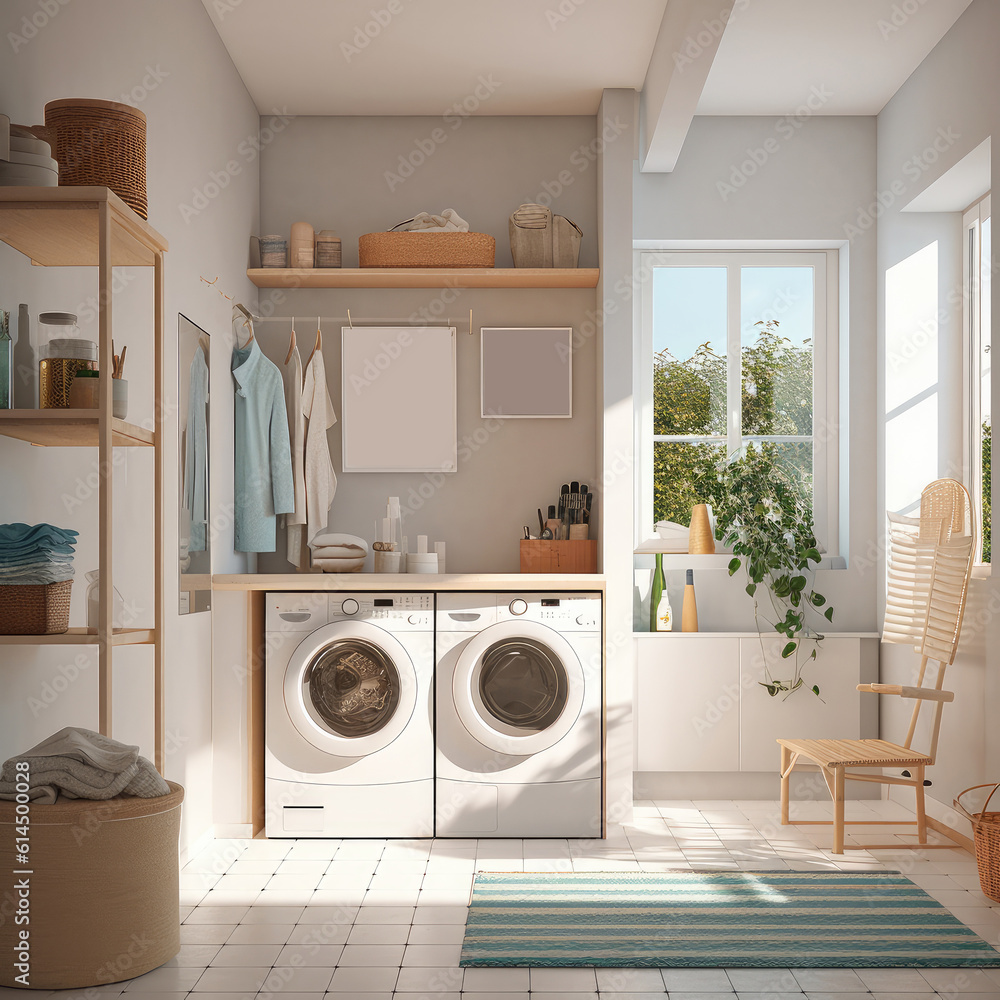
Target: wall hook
(349, 320)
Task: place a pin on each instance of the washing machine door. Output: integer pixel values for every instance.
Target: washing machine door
(518, 687)
(350, 688)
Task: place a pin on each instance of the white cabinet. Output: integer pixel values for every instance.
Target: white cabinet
(700, 706)
(688, 704)
(841, 664)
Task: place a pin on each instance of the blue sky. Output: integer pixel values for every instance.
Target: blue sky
(689, 305)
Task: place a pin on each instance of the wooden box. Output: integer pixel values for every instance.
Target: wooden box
(539, 556)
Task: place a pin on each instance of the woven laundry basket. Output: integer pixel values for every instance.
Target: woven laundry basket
(103, 893)
(986, 827)
(35, 608)
(101, 143)
(420, 249)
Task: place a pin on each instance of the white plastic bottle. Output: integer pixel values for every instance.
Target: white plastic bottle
(664, 614)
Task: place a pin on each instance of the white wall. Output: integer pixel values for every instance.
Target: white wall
(943, 111)
(198, 113)
(331, 172)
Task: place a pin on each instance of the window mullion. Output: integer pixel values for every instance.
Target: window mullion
(734, 360)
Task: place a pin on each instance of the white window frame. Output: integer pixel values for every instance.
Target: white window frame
(826, 367)
(971, 314)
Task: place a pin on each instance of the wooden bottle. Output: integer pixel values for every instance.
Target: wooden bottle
(689, 609)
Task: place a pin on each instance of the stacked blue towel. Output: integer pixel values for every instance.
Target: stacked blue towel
(36, 554)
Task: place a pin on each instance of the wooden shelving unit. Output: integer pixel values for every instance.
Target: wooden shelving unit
(83, 637)
(70, 429)
(424, 277)
(93, 227)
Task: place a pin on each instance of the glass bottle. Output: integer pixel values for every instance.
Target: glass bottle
(6, 362)
(658, 596)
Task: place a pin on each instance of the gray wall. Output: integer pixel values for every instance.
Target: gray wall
(815, 179)
(198, 112)
(955, 90)
(331, 172)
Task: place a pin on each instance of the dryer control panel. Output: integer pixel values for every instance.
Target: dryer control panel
(564, 612)
(392, 611)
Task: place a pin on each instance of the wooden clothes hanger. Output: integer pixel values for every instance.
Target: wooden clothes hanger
(291, 343)
(319, 339)
(247, 322)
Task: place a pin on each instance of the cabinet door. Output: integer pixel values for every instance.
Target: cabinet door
(687, 704)
(835, 714)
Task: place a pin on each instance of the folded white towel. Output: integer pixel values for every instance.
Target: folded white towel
(339, 565)
(335, 538)
(449, 221)
(339, 552)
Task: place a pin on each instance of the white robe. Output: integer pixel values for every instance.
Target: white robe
(321, 482)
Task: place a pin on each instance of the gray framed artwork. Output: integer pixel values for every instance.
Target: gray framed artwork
(527, 371)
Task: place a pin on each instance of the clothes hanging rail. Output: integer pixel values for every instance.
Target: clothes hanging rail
(368, 321)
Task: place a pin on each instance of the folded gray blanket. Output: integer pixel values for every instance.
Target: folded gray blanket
(82, 764)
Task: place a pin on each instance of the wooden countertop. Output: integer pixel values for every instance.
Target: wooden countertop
(362, 582)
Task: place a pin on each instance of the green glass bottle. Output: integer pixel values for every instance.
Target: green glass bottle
(6, 363)
(656, 594)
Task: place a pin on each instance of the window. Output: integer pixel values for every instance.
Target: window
(978, 270)
(737, 348)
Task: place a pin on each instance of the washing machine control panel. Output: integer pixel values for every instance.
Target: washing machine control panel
(561, 611)
(392, 611)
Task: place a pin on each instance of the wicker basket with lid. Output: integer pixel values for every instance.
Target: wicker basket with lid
(101, 143)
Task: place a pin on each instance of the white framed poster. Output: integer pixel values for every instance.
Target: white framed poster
(527, 371)
(398, 399)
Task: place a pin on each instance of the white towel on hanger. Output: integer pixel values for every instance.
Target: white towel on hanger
(294, 522)
(320, 479)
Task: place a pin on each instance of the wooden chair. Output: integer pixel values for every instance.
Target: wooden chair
(930, 561)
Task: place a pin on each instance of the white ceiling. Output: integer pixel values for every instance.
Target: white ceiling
(554, 57)
(431, 54)
(860, 51)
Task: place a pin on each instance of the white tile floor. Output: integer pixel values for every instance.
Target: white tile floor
(377, 920)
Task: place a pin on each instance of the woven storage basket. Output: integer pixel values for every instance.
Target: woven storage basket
(986, 827)
(426, 250)
(101, 143)
(35, 609)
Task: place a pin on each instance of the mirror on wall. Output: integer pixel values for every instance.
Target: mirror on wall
(194, 541)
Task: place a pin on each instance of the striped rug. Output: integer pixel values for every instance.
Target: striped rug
(714, 919)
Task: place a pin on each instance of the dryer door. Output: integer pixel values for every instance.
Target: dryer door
(518, 687)
(350, 688)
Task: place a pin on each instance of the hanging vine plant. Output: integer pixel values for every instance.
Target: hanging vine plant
(763, 512)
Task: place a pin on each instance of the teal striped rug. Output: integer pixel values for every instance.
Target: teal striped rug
(714, 919)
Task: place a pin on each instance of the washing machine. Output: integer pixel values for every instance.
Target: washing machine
(349, 733)
(519, 715)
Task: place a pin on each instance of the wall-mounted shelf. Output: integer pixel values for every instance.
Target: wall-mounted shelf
(58, 227)
(70, 429)
(83, 637)
(424, 277)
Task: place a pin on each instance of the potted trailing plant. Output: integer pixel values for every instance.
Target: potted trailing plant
(763, 512)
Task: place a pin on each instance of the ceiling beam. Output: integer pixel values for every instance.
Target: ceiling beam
(683, 54)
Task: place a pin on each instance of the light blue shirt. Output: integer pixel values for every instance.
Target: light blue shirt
(263, 473)
(196, 452)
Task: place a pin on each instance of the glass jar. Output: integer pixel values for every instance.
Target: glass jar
(62, 352)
